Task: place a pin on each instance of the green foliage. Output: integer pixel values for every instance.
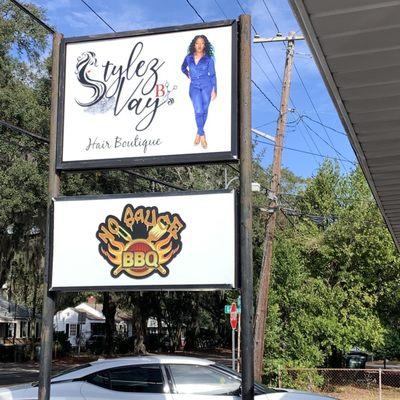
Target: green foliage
(332, 276)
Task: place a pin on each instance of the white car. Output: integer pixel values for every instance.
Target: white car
(151, 378)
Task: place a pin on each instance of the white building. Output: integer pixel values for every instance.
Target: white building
(16, 322)
(67, 321)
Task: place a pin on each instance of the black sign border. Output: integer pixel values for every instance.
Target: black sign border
(131, 288)
(114, 163)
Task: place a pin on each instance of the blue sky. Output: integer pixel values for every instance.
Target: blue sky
(73, 18)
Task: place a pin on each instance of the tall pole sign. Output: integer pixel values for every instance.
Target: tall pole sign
(166, 96)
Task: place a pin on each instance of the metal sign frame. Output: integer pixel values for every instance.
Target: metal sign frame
(193, 158)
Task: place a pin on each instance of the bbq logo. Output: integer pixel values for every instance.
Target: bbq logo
(142, 243)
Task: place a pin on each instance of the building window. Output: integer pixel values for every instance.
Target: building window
(72, 330)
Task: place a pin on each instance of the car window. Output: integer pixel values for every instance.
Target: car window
(258, 387)
(101, 378)
(140, 378)
(199, 379)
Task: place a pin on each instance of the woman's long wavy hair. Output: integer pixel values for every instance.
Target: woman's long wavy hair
(208, 47)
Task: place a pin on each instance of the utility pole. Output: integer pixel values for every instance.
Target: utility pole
(263, 291)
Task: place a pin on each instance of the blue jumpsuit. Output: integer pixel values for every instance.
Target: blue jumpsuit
(202, 82)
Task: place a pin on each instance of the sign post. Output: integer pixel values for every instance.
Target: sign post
(246, 258)
(234, 321)
(49, 298)
(81, 322)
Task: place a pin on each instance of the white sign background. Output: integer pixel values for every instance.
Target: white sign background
(207, 258)
(174, 126)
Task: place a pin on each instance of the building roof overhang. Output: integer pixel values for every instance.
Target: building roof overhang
(356, 45)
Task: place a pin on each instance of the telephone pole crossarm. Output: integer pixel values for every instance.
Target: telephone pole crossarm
(258, 39)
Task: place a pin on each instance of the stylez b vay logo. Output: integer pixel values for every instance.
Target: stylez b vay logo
(141, 243)
(133, 86)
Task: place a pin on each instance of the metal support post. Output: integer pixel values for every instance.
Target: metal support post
(380, 383)
(49, 298)
(246, 251)
(233, 350)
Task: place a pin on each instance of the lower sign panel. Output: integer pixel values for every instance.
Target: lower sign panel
(153, 242)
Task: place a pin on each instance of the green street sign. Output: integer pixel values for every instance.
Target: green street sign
(227, 309)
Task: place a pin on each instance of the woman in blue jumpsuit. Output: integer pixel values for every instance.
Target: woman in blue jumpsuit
(199, 67)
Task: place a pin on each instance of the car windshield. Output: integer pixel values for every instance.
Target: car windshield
(259, 388)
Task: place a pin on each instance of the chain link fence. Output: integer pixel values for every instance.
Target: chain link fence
(343, 384)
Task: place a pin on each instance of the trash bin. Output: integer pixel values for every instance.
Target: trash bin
(356, 359)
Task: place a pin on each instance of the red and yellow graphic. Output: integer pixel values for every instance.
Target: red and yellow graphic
(143, 242)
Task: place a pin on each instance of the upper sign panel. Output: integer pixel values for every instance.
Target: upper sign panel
(166, 96)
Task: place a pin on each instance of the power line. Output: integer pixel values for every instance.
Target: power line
(270, 14)
(306, 152)
(170, 185)
(221, 9)
(262, 44)
(273, 65)
(33, 16)
(255, 60)
(23, 131)
(315, 109)
(266, 123)
(307, 93)
(266, 75)
(337, 151)
(306, 141)
(98, 15)
(266, 97)
(194, 9)
(326, 126)
(24, 147)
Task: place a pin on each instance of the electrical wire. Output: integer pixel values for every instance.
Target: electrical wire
(194, 9)
(154, 180)
(221, 9)
(262, 44)
(316, 133)
(266, 97)
(326, 126)
(265, 74)
(266, 123)
(305, 152)
(98, 15)
(33, 16)
(306, 90)
(270, 14)
(255, 60)
(24, 132)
